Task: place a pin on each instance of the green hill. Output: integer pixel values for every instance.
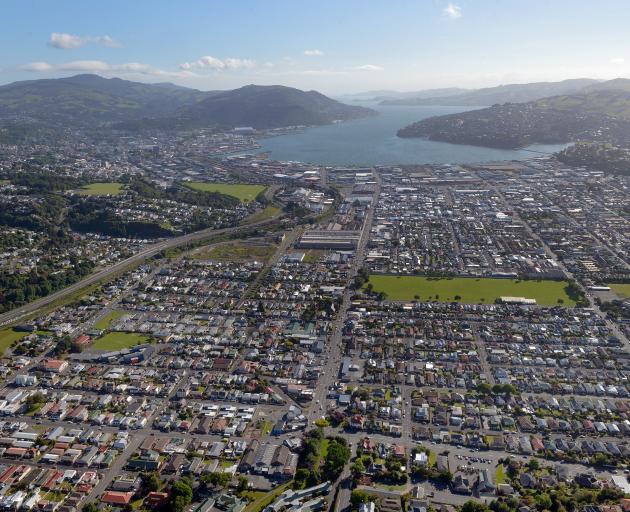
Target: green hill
(601, 115)
(90, 101)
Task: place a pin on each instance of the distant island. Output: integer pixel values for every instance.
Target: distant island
(601, 113)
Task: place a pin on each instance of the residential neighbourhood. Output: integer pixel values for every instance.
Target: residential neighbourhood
(400, 338)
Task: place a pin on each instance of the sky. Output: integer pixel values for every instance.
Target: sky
(334, 46)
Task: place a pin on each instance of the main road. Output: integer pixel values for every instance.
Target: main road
(136, 259)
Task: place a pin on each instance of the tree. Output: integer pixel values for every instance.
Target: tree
(474, 506)
(357, 497)
(243, 484)
(336, 458)
(533, 465)
(89, 507)
(151, 481)
(180, 496)
(358, 467)
(217, 479)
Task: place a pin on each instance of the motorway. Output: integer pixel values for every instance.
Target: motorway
(136, 259)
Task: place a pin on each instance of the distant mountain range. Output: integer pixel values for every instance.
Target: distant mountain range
(601, 113)
(386, 95)
(514, 93)
(88, 101)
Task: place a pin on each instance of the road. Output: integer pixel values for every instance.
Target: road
(331, 369)
(147, 252)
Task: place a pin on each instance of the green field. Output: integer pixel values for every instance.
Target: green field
(101, 189)
(119, 340)
(236, 252)
(469, 290)
(242, 191)
(107, 320)
(623, 290)
(8, 336)
(268, 213)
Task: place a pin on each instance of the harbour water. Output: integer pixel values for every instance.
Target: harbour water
(373, 141)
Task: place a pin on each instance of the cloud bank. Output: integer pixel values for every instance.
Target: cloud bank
(215, 64)
(64, 41)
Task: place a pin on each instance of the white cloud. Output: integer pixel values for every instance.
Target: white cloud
(313, 53)
(617, 60)
(99, 66)
(452, 11)
(65, 41)
(213, 63)
(369, 67)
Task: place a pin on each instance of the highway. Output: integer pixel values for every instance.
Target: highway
(148, 252)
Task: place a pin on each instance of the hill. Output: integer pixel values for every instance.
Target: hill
(269, 106)
(83, 100)
(512, 93)
(599, 115)
(90, 101)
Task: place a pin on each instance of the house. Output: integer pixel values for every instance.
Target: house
(117, 498)
(461, 484)
(55, 365)
(420, 459)
(156, 499)
(485, 485)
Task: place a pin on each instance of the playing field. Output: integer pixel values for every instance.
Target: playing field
(8, 336)
(469, 290)
(119, 340)
(242, 191)
(107, 320)
(623, 290)
(101, 189)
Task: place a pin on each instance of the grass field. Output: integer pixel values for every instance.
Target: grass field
(107, 320)
(242, 191)
(119, 340)
(236, 252)
(101, 189)
(267, 213)
(470, 290)
(8, 336)
(623, 290)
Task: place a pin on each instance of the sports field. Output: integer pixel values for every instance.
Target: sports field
(623, 290)
(469, 290)
(101, 189)
(242, 191)
(119, 340)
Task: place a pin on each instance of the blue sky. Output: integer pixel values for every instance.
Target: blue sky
(338, 46)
